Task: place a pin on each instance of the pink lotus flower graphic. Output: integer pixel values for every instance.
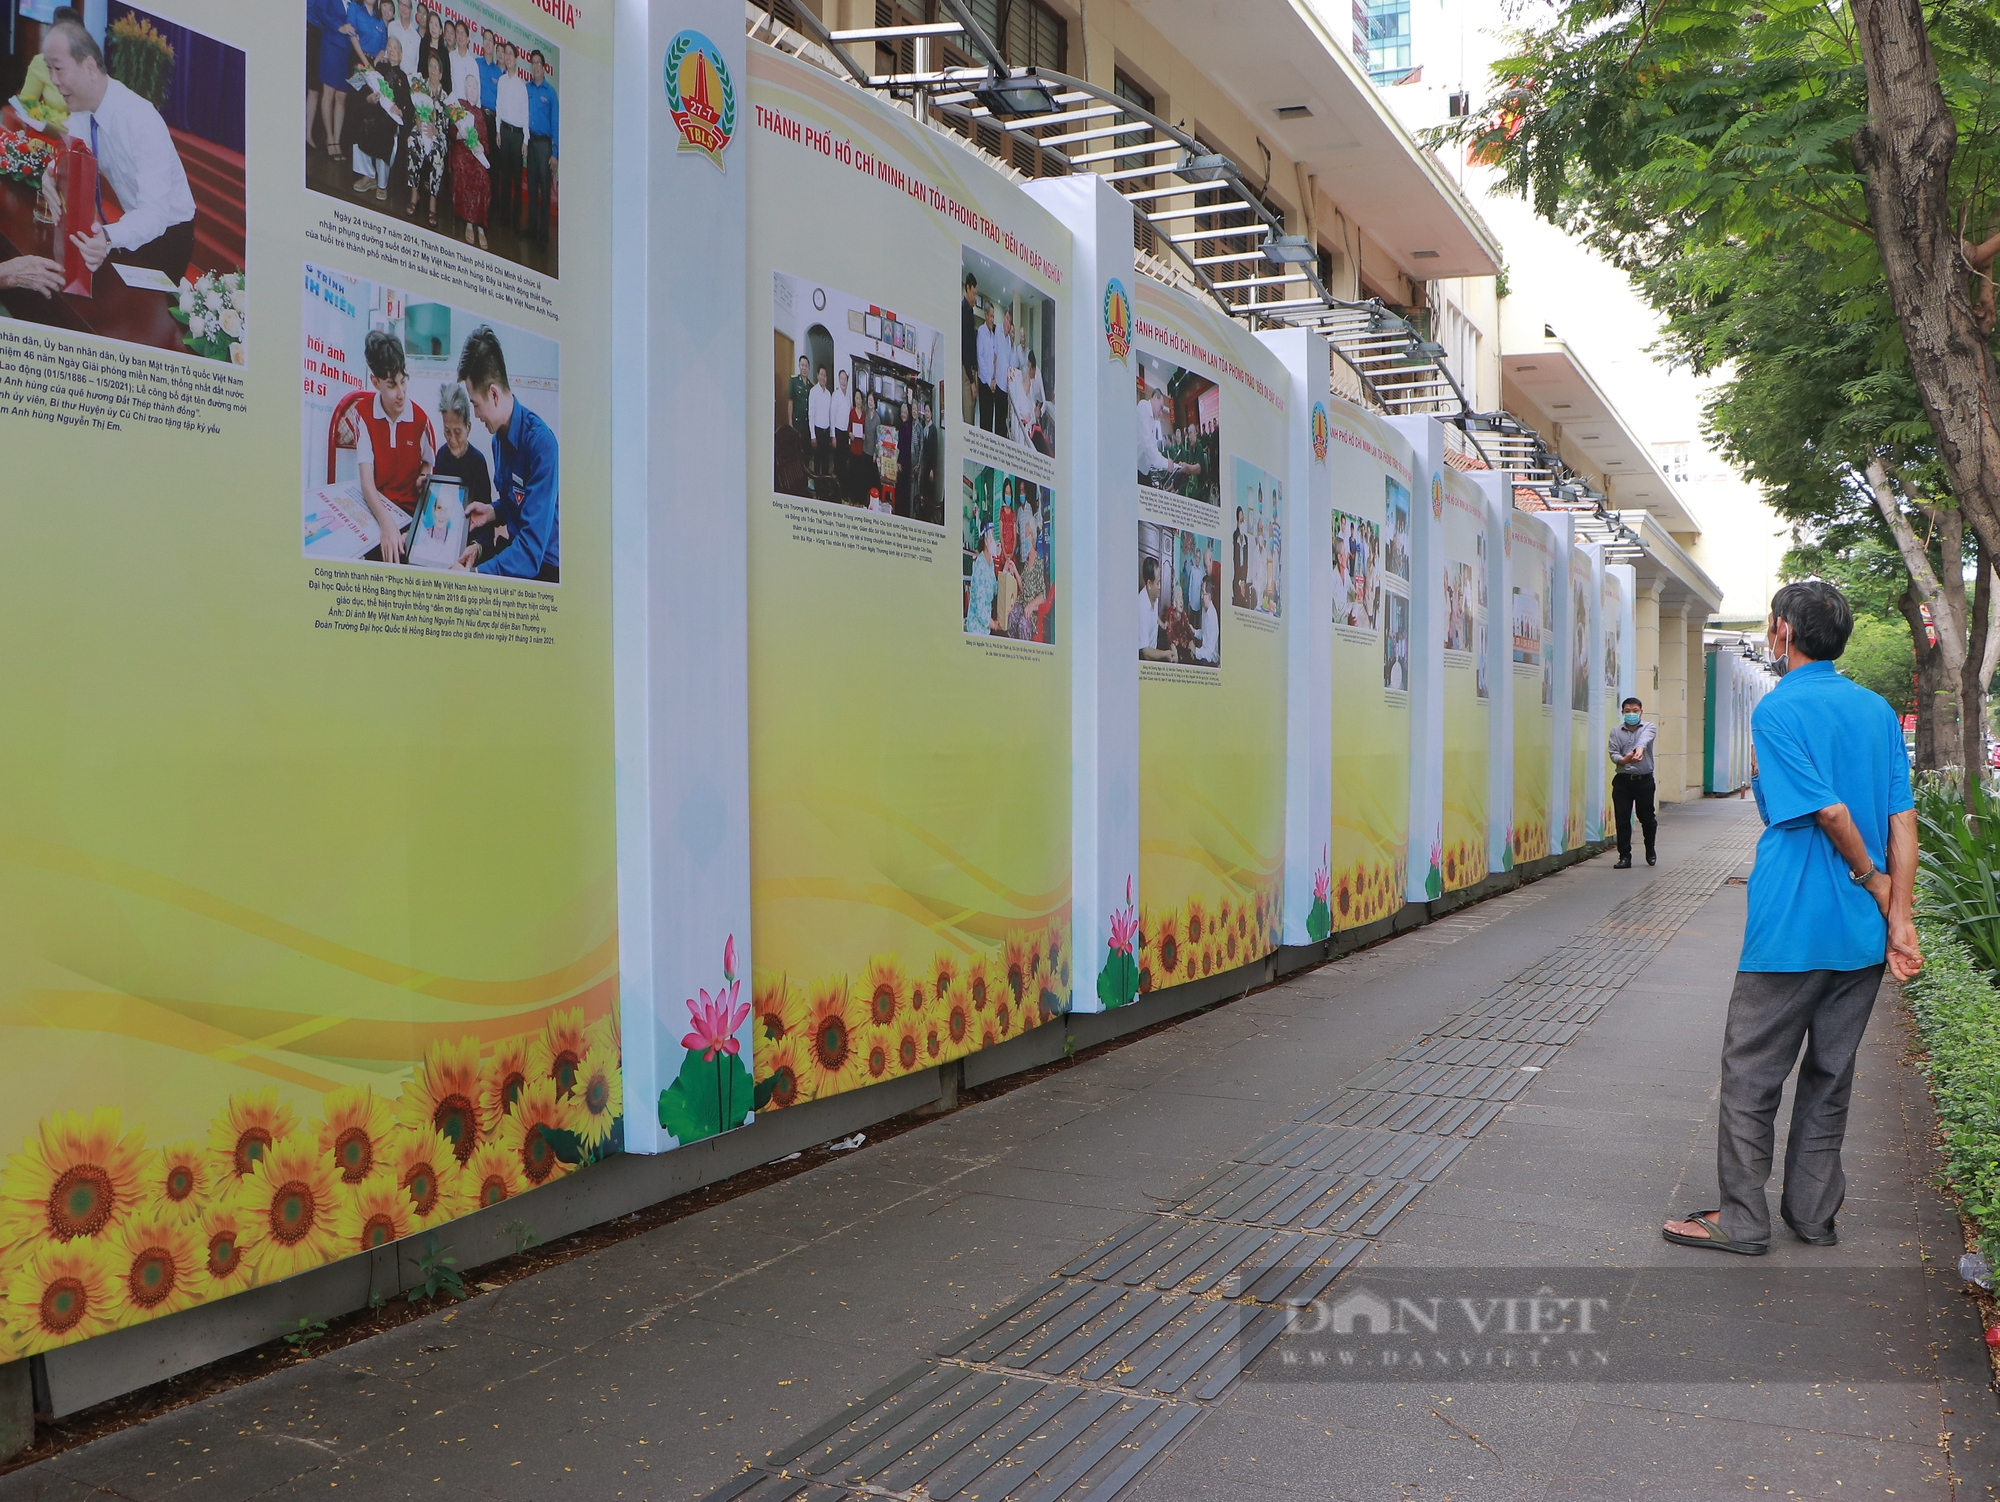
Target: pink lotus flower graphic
(716, 1018)
(1125, 923)
(1319, 922)
(1118, 981)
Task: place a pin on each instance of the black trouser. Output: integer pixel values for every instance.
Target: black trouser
(1631, 790)
(540, 149)
(169, 253)
(507, 180)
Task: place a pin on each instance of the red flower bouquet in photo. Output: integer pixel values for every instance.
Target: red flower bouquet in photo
(24, 158)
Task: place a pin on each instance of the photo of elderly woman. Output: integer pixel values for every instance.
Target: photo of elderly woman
(431, 435)
(443, 115)
(1180, 597)
(1008, 556)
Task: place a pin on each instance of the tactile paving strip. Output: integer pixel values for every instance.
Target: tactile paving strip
(958, 1431)
(1076, 1387)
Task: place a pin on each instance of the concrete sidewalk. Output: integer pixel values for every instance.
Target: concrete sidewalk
(1095, 1284)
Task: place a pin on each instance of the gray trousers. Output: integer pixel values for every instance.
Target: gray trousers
(1771, 1013)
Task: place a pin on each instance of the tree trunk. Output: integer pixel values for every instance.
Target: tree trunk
(1975, 675)
(1941, 668)
(1905, 153)
(1931, 702)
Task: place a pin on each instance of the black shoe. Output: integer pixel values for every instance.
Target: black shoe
(1830, 1237)
(1623, 863)
(1652, 859)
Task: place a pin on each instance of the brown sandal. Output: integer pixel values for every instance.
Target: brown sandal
(1717, 1239)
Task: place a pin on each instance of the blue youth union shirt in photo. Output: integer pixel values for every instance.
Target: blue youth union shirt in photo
(1821, 739)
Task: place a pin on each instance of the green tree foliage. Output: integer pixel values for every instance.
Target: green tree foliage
(1708, 149)
(1660, 128)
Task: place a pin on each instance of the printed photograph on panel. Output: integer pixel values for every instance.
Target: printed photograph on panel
(1549, 634)
(1460, 606)
(431, 435)
(1357, 571)
(1398, 529)
(122, 179)
(442, 116)
(1007, 350)
(1008, 556)
(1180, 431)
(1527, 626)
(1257, 567)
(855, 396)
(1396, 643)
(1579, 662)
(1180, 592)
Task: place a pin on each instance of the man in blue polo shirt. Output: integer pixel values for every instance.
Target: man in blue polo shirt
(526, 473)
(544, 145)
(1830, 901)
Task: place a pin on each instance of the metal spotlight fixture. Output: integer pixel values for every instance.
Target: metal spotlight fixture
(1203, 167)
(1289, 250)
(1016, 98)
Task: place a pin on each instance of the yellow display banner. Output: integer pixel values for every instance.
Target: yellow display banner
(1210, 637)
(909, 679)
(1467, 690)
(1583, 750)
(307, 926)
(1532, 570)
(1367, 858)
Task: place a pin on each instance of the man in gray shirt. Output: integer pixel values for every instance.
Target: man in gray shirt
(1632, 783)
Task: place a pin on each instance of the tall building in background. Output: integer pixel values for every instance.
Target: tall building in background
(1382, 39)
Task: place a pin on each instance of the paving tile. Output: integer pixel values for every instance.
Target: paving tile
(1623, 1452)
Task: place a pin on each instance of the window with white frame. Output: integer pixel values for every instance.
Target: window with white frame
(1460, 337)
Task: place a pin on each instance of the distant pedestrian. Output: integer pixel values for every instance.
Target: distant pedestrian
(1829, 902)
(1632, 784)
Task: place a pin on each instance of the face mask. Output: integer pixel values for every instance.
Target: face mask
(1782, 661)
(1631, 722)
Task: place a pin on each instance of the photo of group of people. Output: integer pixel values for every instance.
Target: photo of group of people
(1396, 642)
(431, 435)
(1256, 548)
(855, 400)
(1527, 626)
(1180, 595)
(1398, 529)
(1357, 571)
(1008, 578)
(442, 113)
(1579, 650)
(1180, 431)
(122, 199)
(1465, 611)
(1007, 350)
(1459, 608)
